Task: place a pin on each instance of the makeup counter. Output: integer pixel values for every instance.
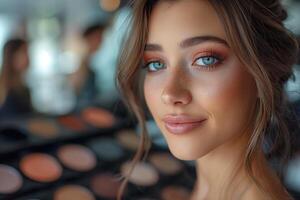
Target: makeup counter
(83, 156)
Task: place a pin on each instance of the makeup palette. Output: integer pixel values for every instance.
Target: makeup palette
(73, 123)
(77, 157)
(142, 174)
(42, 128)
(74, 192)
(11, 180)
(28, 131)
(128, 139)
(70, 157)
(98, 117)
(40, 167)
(106, 185)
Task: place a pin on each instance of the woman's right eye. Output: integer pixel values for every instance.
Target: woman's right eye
(154, 66)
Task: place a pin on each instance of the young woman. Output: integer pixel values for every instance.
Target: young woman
(212, 74)
(14, 94)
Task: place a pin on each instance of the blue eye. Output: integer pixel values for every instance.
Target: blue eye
(206, 61)
(155, 66)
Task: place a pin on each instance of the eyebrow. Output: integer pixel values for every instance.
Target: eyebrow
(189, 42)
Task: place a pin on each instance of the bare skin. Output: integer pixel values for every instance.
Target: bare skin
(200, 95)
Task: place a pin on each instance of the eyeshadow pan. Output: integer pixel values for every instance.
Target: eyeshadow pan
(73, 192)
(175, 193)
(128, 139)
(42, 128)
(77, 157)
(166, 163)
(106, 185)
(98, 117)
(72, 122)
(40, 167)
(143, 174)
(107, 149)
(10, 179)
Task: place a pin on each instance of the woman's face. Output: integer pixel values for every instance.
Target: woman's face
(198, 92)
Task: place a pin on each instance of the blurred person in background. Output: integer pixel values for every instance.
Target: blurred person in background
(84, 79)
(14, 94)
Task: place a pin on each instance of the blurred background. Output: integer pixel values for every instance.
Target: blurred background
(68, 51)
(57, 47)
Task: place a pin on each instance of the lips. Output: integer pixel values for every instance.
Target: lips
(182, 124)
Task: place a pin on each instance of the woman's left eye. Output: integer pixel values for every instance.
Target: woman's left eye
(154, 66)
(206, 61)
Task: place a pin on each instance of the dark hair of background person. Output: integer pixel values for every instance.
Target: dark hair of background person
(92, 29)
(14, 95)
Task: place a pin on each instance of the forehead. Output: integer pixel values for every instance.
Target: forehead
(180, 19)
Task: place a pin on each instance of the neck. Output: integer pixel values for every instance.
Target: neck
(217, 169)
(221, 175)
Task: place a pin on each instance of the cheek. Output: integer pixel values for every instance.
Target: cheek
(229, 99)
(152, 91)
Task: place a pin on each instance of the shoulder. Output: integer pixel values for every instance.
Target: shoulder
(253, 192)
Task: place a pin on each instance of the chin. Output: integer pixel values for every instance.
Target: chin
(187, 152)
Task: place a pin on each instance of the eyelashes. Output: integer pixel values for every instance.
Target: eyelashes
(205, 61)
(154, 65)
(208, 60)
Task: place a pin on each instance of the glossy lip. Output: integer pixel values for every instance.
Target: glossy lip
(182, 124)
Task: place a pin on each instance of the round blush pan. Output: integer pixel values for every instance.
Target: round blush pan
(128, 139)
(77, 157)
(98, 117)
(105, 185)
(107, 149)
(143, 174)
(166, 163)
(41, 167)
(72, 122)
(10, 179)
(175, 193)
(73, 192)
(42, 128)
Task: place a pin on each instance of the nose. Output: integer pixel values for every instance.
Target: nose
(176, 90)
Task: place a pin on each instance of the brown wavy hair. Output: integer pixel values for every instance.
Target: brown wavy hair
(267, 50)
